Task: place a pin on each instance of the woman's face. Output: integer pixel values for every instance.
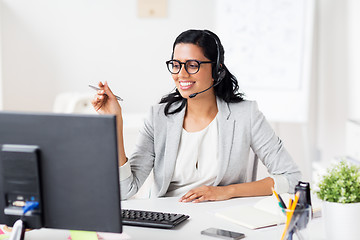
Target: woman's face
(191, 83)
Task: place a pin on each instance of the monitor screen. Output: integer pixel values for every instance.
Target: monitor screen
(78, 168)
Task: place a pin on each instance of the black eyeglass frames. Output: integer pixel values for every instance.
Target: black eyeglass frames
(191, 66)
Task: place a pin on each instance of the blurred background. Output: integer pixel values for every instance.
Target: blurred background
(51, 51)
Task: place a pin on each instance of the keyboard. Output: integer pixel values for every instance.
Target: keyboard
(151, 219)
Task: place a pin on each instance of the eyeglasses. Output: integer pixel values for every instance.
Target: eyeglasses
(191, 66)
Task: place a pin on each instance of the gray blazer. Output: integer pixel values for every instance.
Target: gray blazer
(241, 126)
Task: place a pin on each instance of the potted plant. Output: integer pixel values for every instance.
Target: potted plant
(339, 189)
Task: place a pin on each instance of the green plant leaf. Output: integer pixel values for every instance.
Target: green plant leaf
(341, 184)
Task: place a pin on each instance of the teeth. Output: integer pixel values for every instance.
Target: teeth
(184, 84)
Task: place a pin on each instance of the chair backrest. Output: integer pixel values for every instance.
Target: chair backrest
(71, 102)
(252, 167)
(255, 168)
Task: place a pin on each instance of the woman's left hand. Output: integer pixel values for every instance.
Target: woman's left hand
(206, 193)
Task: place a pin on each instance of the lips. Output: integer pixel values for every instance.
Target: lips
(186, 84)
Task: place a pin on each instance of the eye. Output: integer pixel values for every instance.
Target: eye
(175, 65)
(192, 65)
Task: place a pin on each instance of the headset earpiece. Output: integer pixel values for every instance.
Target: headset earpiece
(218, 71)
(221, 75)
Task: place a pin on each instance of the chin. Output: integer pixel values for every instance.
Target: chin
(185, 94)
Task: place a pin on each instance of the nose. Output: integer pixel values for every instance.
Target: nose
(183, 72)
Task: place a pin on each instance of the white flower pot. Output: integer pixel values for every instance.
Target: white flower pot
(341, 220)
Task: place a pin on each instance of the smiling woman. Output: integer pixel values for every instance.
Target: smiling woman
(198, 138)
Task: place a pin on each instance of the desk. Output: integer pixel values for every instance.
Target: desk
(202, 216)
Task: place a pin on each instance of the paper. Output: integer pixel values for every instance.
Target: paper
(83, 235)
(113, 236)
(250, 217)
(271, 205)
(264, 213)
(99, 236)
(4, 232)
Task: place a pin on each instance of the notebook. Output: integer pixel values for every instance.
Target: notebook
(264, 213)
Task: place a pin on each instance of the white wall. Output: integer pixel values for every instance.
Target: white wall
(1, 87)
(334, 87)
(333, 77)
(354, 59)
(55, 46)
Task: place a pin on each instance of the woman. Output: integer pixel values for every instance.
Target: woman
(197, 140)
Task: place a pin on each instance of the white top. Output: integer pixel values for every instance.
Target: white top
(197, 160)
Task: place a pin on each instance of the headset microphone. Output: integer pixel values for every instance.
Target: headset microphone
(221, 76)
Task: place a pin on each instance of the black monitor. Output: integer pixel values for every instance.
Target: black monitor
(72, 172)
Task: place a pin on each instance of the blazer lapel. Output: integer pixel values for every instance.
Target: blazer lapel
(226, 133)
(173, 133)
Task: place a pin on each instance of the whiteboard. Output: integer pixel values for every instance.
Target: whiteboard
(268, 48)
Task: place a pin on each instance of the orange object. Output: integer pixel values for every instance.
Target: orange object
(290, 213)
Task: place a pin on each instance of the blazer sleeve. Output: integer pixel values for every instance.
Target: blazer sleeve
(271, 151)
(141, 162)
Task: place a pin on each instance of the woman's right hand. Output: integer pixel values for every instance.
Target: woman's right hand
(105, 102)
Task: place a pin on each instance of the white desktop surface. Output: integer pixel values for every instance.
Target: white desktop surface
(202, 216)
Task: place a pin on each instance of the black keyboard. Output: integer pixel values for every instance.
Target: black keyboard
(151, 219)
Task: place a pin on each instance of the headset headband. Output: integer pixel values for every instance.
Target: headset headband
(217, 66)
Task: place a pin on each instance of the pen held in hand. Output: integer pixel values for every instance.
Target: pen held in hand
(96, 88)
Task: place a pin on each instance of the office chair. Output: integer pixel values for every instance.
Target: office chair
(72, 102)
(252, 170)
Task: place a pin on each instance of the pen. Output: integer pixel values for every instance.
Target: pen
(290, 203)
(290, 214)
(281, 202)
(96, 88)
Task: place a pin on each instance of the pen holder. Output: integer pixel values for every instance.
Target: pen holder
(296, 224)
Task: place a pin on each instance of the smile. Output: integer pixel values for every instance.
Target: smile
(185, 85)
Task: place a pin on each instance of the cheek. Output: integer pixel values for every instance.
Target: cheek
(206, 77)
(206, 74)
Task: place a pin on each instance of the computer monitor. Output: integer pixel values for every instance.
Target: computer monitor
(77, 168)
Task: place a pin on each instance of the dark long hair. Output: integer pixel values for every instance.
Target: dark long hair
(227, 89)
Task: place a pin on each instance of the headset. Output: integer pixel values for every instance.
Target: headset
(219, 73)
